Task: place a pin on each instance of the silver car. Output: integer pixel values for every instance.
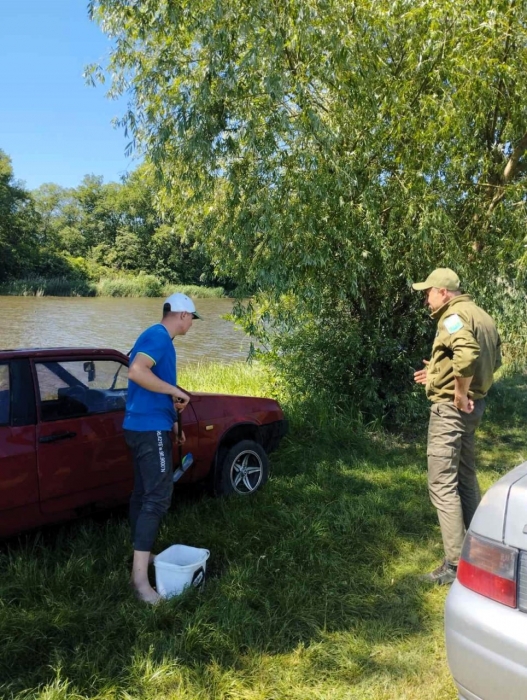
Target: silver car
(486, 608)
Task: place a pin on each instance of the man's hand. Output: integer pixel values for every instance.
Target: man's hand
(140, 372)
(463, 403)
(461, 398)
(180, 401)
(420, 375)
(178, 439)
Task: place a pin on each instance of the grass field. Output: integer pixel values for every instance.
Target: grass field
(311, 593)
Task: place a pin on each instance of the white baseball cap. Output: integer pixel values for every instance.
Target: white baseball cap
(180, 302)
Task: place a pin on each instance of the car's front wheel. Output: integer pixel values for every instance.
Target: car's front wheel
(243, 469)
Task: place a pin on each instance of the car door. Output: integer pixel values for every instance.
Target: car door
(81, 453)
(19, 494)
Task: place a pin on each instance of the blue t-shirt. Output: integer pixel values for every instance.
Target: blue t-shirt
(148, 410)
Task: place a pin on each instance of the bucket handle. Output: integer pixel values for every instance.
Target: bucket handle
(199, 577)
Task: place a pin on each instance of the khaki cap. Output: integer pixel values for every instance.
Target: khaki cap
(441, 278)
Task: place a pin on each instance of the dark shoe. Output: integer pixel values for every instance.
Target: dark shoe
(444, 575)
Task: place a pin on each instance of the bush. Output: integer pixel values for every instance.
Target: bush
(335, 361)
(140, 286)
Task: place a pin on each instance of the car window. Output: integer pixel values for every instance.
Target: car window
(5, 395)
(75, 388)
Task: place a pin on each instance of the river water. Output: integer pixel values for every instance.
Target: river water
(115, 322)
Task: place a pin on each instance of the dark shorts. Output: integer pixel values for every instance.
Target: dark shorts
(152, 494)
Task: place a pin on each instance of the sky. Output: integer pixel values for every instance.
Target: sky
(53, 126)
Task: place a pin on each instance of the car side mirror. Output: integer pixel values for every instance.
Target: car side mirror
(89, 367)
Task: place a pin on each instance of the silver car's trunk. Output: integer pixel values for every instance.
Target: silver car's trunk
(502, 513)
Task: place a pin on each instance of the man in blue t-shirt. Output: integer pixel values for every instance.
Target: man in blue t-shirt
(152, 407)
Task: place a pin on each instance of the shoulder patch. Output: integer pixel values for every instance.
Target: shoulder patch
(453, 323)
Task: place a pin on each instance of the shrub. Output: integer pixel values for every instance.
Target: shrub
(140, 286)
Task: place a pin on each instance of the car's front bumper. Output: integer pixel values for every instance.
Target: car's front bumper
(272, 433)
(486, 646)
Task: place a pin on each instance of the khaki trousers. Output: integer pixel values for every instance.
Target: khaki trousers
(452, 480)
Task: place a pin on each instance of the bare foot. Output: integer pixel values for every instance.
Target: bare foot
(147, 594)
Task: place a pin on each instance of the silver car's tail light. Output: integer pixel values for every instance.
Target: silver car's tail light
(489, 568)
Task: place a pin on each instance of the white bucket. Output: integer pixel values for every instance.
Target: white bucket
(180, 566)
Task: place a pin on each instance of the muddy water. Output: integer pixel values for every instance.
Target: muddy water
(116, 323)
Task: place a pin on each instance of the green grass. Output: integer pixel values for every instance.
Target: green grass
(311, 594)
(240, 378)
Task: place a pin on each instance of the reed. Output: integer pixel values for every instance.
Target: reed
(119, 286)
(194, 291)
(48, 286)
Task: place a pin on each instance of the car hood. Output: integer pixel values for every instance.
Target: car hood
(502, 513)
(217, 406)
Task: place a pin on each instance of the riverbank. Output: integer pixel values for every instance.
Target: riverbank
(125, 286)
(312, 590)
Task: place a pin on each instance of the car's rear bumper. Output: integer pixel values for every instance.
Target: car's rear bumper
(486, 646)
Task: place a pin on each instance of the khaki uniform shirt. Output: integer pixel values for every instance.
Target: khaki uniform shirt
(467, 344)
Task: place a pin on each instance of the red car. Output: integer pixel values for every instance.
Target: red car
(62, 449)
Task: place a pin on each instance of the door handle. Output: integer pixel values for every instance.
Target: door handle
(57, 436)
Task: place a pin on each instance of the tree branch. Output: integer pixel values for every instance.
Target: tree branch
(509, 172)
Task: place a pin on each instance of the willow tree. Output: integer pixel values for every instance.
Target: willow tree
(336, 150)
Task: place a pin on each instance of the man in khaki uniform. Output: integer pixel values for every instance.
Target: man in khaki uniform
(465, 355)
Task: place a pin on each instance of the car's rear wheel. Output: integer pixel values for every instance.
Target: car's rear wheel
(243, 469)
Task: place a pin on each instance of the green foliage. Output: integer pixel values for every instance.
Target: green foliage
(336, 151)
(48, 286)
(78, 284)
(18, 226)
(94, 232)
(139, 286)
(117, 228)
(80, 267)
(194, 291)
(149, 286)
(323, 362)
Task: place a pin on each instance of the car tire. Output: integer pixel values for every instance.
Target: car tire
(242, 469)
